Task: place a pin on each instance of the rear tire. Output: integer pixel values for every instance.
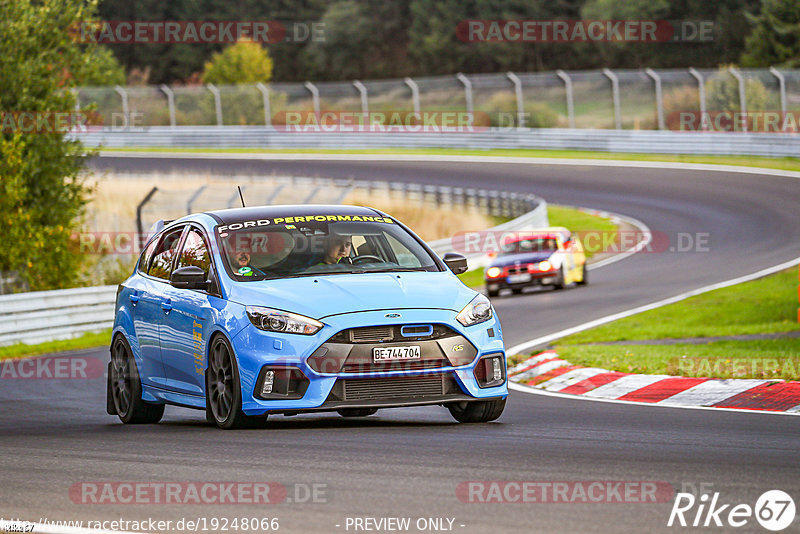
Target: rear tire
(478, 411)
(585, 277)
(357, 412)
(125, 388)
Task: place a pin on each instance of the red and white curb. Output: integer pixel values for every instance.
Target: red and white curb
(546, 371)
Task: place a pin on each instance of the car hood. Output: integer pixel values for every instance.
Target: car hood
(322, 296)
(528, 257)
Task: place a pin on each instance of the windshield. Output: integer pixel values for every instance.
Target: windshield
(319, 245)
(534, 244)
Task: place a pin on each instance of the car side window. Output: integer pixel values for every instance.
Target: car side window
(147, 254)
(195, 252)
(161, 265)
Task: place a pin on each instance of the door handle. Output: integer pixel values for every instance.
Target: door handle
(166, 305)
(134, 297)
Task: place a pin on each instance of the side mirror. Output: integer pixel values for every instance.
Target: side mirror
(456, 262)
(189, 277)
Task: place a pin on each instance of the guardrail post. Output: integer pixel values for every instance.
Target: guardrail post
(77, 107)
(518, 92)
(235, 196)
(265, 97)
(414, 93)
(125, 110)
(701, 88)
(467, 91)
(782, 85)
(362, 91)
(314, 96)
(142, 238)
(615, 96)
(217, 102)
(170, 103)
(570, 100)
(742, 95)
(659, 101)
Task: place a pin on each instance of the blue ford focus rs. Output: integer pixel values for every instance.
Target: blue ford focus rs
(297, 309)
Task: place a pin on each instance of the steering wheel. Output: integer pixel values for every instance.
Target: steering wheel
(367, 258)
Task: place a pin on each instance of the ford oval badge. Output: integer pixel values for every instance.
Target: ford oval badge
(392, 315)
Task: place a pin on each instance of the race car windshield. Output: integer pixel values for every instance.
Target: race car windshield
(319, 245)
(523, 246)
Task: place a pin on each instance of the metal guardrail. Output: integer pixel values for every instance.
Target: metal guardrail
(42, 316)
(642, 141)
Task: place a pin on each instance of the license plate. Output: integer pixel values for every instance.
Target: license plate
(385, 354)
(519, 278)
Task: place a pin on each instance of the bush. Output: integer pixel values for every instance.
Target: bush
(243, 62)
(502, 107)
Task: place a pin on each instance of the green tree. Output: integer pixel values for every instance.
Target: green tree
(41, 191)
(775, 39)
(241, 63)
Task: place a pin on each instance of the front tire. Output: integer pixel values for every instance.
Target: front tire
(223, 389)
(125, 388)
(560, 281)
(478, 411)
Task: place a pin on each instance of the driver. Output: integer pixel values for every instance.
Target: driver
(337, 249)
(243, 267)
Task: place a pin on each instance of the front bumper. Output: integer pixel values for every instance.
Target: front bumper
(533, 279)
(432, 379)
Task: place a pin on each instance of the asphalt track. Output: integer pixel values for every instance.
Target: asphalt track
(408, 463)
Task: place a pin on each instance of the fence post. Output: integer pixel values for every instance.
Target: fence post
(659, 102)
(265, 97)
(414, 93)
(192, 198)
(125, 110)
(362, 91)
(77, 98)
(615, 96)
(140, 230)
(570, 100)
(742, 95)
(170, 102)
(518, 92)
(701, 86)
(314, 96)
(782, 84)
(217, 102)
(467, 91)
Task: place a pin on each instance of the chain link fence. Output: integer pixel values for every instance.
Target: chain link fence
(603, 99)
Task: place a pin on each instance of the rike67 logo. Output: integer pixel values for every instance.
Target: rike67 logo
(774, 510)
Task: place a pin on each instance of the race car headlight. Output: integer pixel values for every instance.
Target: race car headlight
(281, 321)
(493, 272)
(477, 311)
(545, 266)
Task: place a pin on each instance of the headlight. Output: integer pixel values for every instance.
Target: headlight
(281, 321)
(545, 266)
(493, 272)
(477, 311)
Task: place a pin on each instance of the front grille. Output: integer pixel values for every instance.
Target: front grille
(371, 334)
(393, 388)
(385, 333)
(383, 367)
(515, 270)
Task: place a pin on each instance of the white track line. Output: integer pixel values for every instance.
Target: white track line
(571, 377)
(516, 160)
(711, 392)
(624, 385)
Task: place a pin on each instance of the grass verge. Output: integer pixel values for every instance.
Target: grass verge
(764, 306)
(789, 164)
(86, 341)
